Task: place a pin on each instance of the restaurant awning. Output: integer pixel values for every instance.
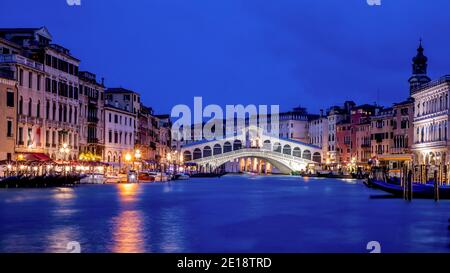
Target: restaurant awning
(36, 157)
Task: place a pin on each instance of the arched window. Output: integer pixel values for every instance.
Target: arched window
(277, 147)
(227, 147)
(217, 149)
(307, 154)
(21, 105)
(54, 111)
(297, 152)
(38, 110)
(317, 157)
(207, 151)
(65, 113)
(30, 107)
(47, 109)
(267, 145)
(187, 156)
(197, 153)
(237, 145)
(287, 150)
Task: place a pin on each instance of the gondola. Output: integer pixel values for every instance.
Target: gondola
(419, 190)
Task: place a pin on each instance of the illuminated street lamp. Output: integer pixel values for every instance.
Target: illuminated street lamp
(137, 155)
(20, 157)
(64, 150)
(127, 157)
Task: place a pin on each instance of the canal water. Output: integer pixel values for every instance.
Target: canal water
(229, 214)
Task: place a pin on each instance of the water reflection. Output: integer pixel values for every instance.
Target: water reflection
(128, 192)
(58, 238)
(63, 194)
(265, 214)
(128, 230)
(172, 236)
(128, 226)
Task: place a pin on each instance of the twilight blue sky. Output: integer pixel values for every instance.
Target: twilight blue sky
(314, 53)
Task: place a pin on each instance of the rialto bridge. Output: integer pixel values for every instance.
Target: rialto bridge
(286, 155)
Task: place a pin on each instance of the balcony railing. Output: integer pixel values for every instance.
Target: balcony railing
(30, 120)
(92, 140)
(14, 58)
(437, 82)
(92, 119)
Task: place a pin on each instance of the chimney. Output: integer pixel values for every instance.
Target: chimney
(103, 81)
(321, 112)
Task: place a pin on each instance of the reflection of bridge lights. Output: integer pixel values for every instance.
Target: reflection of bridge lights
(127, 192)
(127, 233)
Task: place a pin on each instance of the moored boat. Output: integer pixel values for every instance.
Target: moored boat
(419, 190)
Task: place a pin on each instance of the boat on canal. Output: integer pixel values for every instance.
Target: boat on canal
(419, 190)
(42, 181)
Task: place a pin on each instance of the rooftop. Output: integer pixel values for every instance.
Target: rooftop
(119, 90)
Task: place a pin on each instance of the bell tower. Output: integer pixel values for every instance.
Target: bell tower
(419, 69)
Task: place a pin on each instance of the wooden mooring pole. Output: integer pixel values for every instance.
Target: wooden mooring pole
(404, 181)
(436, 187)
(410, 186)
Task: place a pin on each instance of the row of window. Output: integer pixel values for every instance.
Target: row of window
(432, 105)
(57, 87)
(32, 81)
(118, 137)
(61, 88)
(61, 65)
(65, 113)
(119, 119)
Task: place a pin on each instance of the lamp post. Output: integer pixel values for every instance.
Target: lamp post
(128, 158)
(175, 160)
(137, 156)
(64, 150)
(20, 157)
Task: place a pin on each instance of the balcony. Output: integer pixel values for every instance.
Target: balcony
(92, 140)
(14, 58)
(30, 120)
(93, 100)
(92, 119)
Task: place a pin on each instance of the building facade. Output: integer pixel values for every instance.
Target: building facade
(318, 132)
(336, 115)
(295, 124)
(92, 104)
(8, 110)
(119, 135)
